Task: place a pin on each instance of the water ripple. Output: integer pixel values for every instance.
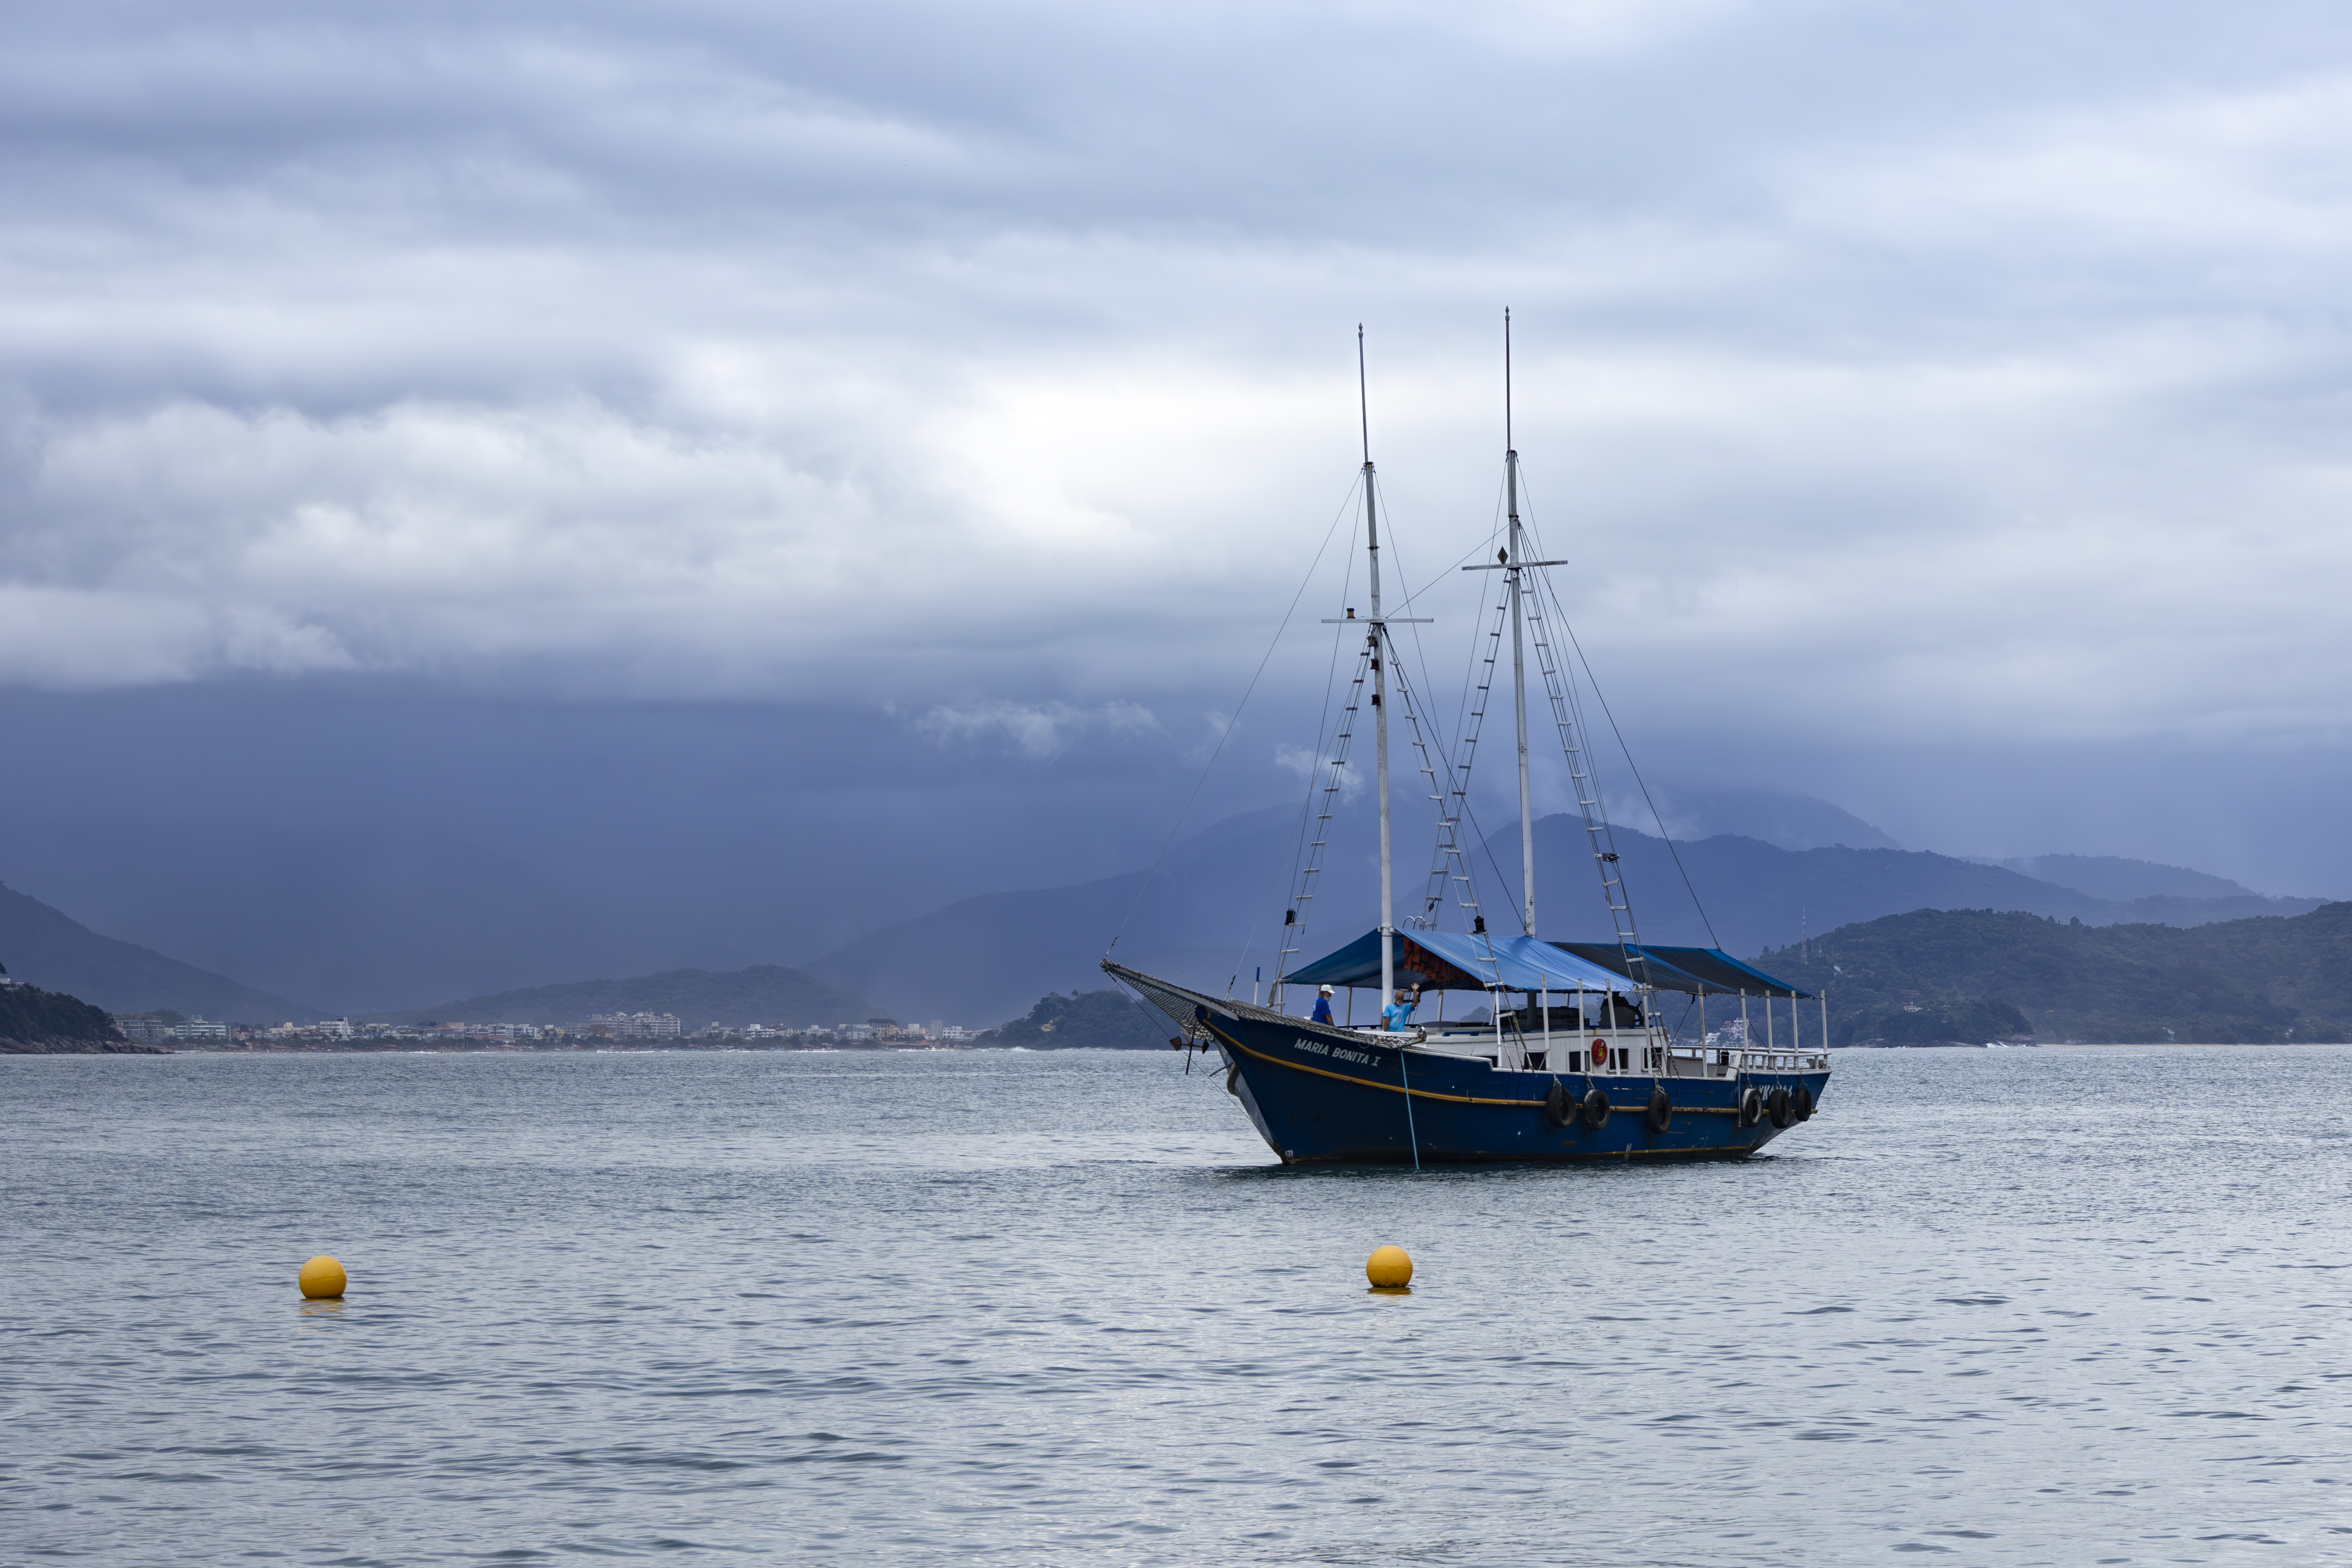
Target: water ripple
(1059, 1307)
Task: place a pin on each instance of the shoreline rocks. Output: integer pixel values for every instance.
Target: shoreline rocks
(60, 1046)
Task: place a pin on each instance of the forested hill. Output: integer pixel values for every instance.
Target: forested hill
(43, 1023)
(1107, 1019)
(2236, 982)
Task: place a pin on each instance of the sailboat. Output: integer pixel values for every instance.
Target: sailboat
(1585, 1069)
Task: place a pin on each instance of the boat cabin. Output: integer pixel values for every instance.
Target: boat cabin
(1586, 1007)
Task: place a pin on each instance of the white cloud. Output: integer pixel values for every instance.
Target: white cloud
(1301, 762)
(1874, 392)
(65, 639)
(1039, 732)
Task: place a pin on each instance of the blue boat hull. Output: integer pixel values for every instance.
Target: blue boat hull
(1329, 1096)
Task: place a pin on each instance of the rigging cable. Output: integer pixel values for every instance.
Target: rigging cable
(1197, 783)
(1468, 810)
(1306, 864)
(1306, 805)
(1633, 767)
(1469, 721)
(1472, 903)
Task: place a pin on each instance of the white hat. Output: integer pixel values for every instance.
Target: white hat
(1325, 989)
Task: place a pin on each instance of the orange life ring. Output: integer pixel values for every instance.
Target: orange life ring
(1600, 1053)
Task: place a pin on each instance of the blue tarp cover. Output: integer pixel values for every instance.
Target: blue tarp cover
(1690, 969)
(1457, 961)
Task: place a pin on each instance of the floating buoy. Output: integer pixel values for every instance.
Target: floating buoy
(1389, 1268)
(321, 1280)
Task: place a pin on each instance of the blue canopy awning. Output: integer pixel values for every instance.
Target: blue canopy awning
(1689, 969)
(1457, 960)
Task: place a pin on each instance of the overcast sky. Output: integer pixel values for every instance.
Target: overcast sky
(1943, 407)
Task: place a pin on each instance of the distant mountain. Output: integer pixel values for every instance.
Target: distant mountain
(2246, 981)
(2112, 876)
(763, 994)
(1212, 914)
(44, 947)
(983, 960)
(356, 918)
(1783, 820)
(1756, 895)
(989, 959)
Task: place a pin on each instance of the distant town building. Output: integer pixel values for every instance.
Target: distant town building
(639, 1026)
(200, 1029)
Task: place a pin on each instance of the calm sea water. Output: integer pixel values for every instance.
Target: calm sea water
(2059, 1306)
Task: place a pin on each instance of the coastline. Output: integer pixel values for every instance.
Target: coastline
(2181, 1045)
(82, 1048)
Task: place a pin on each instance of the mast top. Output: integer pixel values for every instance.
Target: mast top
(1509, 444)
(1363, 397)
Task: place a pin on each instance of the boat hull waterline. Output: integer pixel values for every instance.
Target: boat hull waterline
(1323, 1095)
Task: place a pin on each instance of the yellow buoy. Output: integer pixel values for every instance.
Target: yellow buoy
(1389, 1268)
(323, 1277)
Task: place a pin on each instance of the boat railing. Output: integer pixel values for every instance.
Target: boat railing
(1693, 1061)
(1634, 1051)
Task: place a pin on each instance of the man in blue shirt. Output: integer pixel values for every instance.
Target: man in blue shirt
(1398, 1014)
(1323, 1005)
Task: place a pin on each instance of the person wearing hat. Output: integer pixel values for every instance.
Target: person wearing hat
(1323, 1005)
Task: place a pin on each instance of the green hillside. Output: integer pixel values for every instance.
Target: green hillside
(763, 994)
(1102, 1019)
(2271, 979)
(42, 1023)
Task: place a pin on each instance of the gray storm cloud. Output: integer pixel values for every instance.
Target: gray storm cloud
(1907, 375)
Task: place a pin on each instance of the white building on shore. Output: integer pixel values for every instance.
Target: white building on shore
(640, 1026)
